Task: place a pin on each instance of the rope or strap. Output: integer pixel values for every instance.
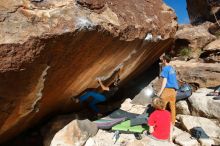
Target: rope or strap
(216, 20)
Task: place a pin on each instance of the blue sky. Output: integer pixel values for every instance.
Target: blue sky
(180, 8)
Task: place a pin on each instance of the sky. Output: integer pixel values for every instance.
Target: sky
(180, 8)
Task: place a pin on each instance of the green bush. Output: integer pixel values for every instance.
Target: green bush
(184, 52)
(217, 34)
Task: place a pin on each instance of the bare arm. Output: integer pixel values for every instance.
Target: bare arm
(151, 129)
(103, 86)
(164, 82)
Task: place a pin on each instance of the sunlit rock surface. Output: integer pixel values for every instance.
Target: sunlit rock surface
(53, 50)
(212, 52)
(209, 128)
(203, 105)
(194, 38)
(199, 74)
(75, 133)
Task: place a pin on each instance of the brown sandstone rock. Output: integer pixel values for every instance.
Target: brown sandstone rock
(200, 105)
(213, 46)
(203, 105)
(211, 53)
(208, 128)
(200, 74)
(202, 10)
(104, 138)
(51, 51)
(75, 133)
(176, 132)
(184, 139)
(49, 131)
(193, 38)
(182, 108)
(215, 29)
(146, 141)
(92, 4)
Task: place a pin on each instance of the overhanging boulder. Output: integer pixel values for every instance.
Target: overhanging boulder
(52, 51)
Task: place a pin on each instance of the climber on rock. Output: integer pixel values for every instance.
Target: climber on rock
(97, 97)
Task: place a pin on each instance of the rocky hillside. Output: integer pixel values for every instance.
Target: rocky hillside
(198, 48)
(203, 10)
(52, 50)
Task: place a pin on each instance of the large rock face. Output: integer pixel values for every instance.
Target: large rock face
(211, 52)
(193, 39)
(203, 105)
(210, 128)
(199, 74)
(54, 50)
(199, 104)
(74, 134)
(203, 10)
